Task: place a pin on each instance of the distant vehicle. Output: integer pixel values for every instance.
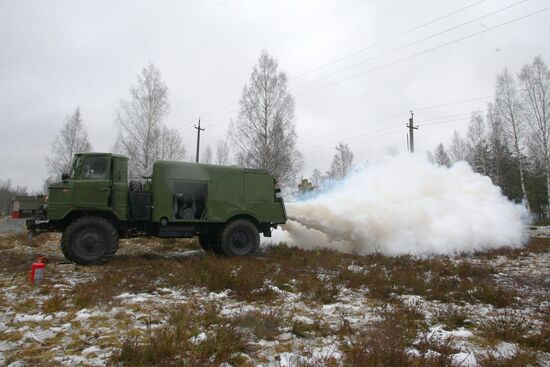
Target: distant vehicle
(93, 206)
(24, 206)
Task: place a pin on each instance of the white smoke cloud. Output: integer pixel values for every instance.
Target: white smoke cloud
(405, 205)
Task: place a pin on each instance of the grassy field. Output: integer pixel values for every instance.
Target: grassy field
(167, 303)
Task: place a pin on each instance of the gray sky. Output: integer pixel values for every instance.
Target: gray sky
(56, 55)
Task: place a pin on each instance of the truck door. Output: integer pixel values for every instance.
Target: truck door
(92, 186)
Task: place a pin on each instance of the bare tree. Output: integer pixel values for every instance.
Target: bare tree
(342, 162)
(458, 151)
(498, 146)
(140, 120)
(264, 132)
(509, 107)
(317, 177)
(441, 157)
(430, 157)
(170, 145)
(207, 156)
(477, 141)
(222, 152)
(72, 139)
(535, 85)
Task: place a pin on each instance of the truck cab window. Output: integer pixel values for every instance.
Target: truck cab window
(93, 168)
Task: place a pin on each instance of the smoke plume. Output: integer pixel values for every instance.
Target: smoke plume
(405, 205)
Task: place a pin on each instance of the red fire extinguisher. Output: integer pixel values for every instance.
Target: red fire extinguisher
(37, 270)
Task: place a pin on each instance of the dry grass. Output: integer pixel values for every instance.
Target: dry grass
(54, 303)
(518, 359)
(304, 329)
(506, 327)
(315, 277)
(176, 343)
(453, 317)
(389, 342)
(264, 325)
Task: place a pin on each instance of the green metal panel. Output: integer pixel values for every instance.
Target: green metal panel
(92, 184)
(119, 194)
(231, 191)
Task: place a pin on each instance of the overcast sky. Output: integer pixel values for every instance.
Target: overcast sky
(57, 55)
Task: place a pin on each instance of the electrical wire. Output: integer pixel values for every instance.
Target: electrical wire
(427, 51)
(364, 49)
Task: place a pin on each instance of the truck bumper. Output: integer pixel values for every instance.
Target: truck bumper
(38, 225)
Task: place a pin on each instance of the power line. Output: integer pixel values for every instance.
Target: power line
(434, 121)
(387, 39)
(398, 115)
(412, 56)
(364, 49)
(409, 44)
(427, 50)
(391, 130)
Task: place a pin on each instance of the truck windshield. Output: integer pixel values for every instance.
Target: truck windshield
(93, 168)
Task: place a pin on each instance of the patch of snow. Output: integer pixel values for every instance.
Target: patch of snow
(4, 346)
(93, 349)
(465, 359)
(83, 314)
(34, 318)
(199, 338)
(39, 336)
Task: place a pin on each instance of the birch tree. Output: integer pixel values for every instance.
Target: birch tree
(498, 146)
(509, 107)
(477, 141)
(441, 157)
(140, 122)
(222, 152)
(316, 178)
(72, 139)
(264, 132)
(342, 162)
(535, 90)
(170, 145)
(458, 150)
(207, 156)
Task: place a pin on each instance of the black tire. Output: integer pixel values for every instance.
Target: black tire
(64, 248)
(239, 238)
(205, 241)
(136, 185)
(210, 242)
(89, 240)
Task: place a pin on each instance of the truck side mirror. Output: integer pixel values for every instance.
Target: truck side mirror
(64, 176)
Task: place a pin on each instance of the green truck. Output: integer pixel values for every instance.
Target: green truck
(94, 205)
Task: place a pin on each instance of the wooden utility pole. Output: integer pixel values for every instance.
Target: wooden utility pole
(411, 132)
(199, 129)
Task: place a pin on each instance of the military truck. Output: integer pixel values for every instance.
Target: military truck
(94, 205)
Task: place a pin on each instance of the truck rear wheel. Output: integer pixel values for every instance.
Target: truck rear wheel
(210, 242)
(206, 241)
(239, 238)
(89, 240)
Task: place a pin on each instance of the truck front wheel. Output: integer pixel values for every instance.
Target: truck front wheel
(89, 240)
(240, 237)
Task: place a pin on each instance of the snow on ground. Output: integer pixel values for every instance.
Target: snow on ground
(60, 323)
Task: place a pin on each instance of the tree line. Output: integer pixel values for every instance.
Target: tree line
(510, 142)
